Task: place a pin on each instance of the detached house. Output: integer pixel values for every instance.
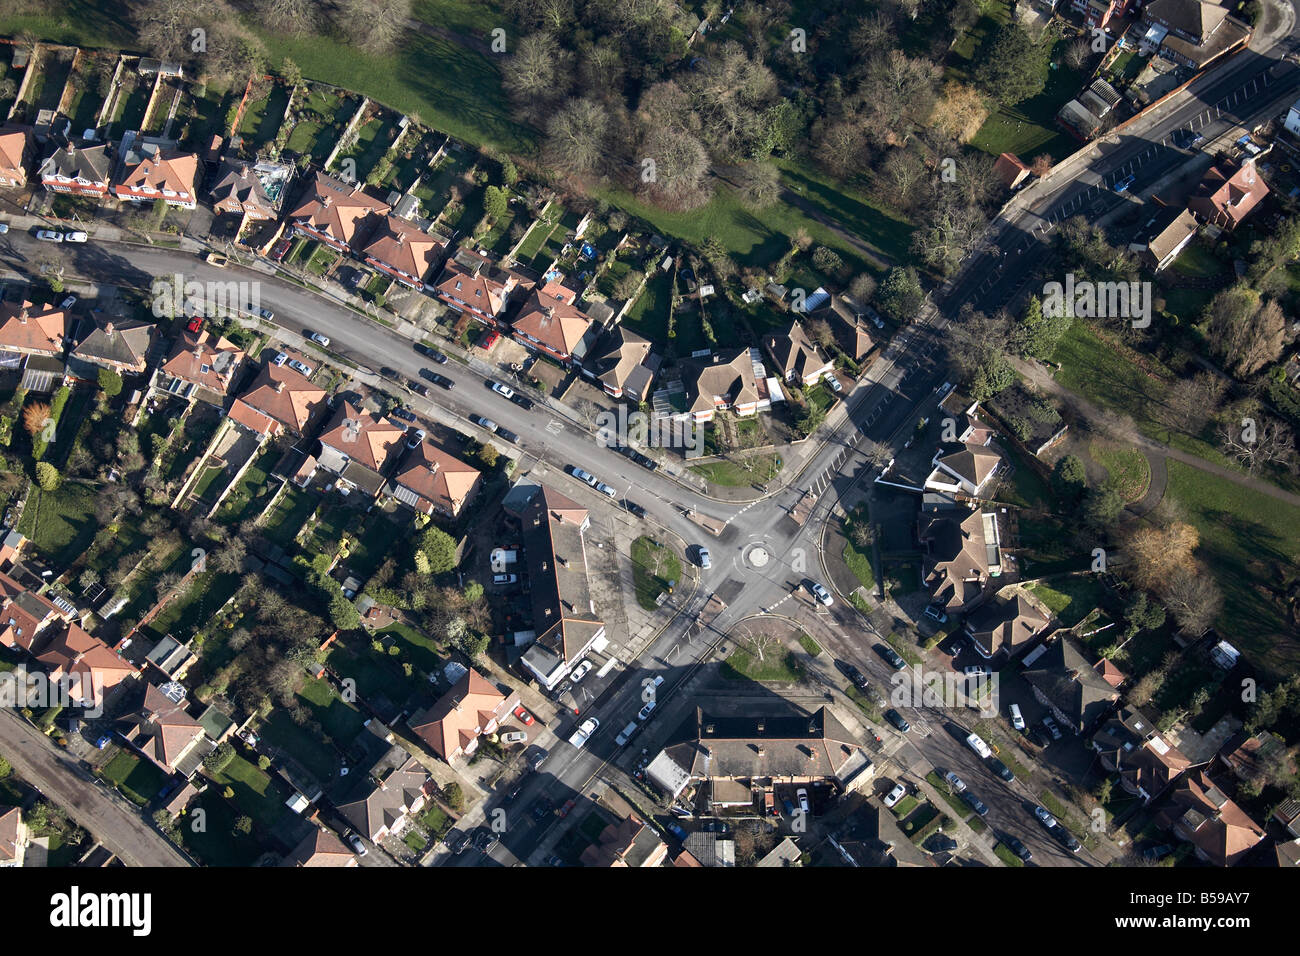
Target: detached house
(339, 215)
(797, 358)
(280, 400)
(14, 837)
(24, 615)
(399, 249)
(201, 366)
(552, 323)
(630, 842)
(121, 345)
(164, 732)
(1225, 196)
(1203, 815)
(389, 803)
(239, 192)
(960, 555)
(357, 445)
(1129, 744)
(16, 155)
(1004, 626)
(80, 169)
(736, 381)
(433, 482)
(1169, 232)
(473, 284)
(473, 707)
(30, 329)
(1065, 682)
(90, 665)
(1193, 33)
(152, 172)
(623, 364)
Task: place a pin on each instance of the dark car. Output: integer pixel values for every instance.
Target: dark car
(525, 403)
(975, 803)
(542, 809)
(895, 718)
(645, 462)
(635, 508)
(1067, 838)
(1001, 769)
(891, 656)
(1018, 848)
(1157, 852)
(402, 414)
(387, 372)
(431, 352)
(421, 390)
(508, 435)
(855, 676)
(435, 378)
(484, 839)
(456, 840)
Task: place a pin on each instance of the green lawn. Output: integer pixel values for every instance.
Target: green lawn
(137, 778)
(217, 843)
(765, 467)
(653, 567)
(1070, 599)
(778, 666)
(257, 793)
(294, 507)
(1126, 469)
(60, 523)
(418, 647)
(858, 559)
(809, 645)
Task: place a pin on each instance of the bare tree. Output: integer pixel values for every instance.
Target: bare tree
(1191, 402)
(1193, 598)
(575, 137)
(377, 25)
(760, 643)
(1077, 53)
(821, 333)
(1259, 443)
(297, 17)
(759, 184)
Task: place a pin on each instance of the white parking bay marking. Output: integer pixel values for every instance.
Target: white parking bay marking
(554, 427)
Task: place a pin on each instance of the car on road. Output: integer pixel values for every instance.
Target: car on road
(1046, 819)
(634, 508)
(1067, 839)
(507, 435)
(821, 594)
(855, 676)
(402, 414)
(936, 614)
(1017, 847)
(484, 839)
(802, 796)
(895, 718)
(1123, 185)
(958, 785)
(482, 422)
(584, 732)
(607, 490)
(417, 436)
(891, 656)
(977, 744)
(505, 579)
(1001, 769)
(75, 237)
(626, 734)
(280, 249)
(523, 402)
(4, 228)
(49, 235)
(354, 841)
(300, 368)
(525, 716)
(580, 670)
(892, 798)
(1017, 719)
(644, 713)
(456, 840)
(514, 737)
(440, 380)
(541, 809)
(1052, 726)
(215, 259)
(322, 340)
(388, 372)
(565, 810)
(975, 803)
(705, 561)
(503, 390)
(542, 753)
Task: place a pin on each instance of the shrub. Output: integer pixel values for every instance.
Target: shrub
(47, 476)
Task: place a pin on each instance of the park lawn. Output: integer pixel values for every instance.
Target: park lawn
(1127, 469)
(1245, 534)
(1105, 375)
(475, 18)
(733, 475)
(778, 667)
(649, 584)
(1070, 599)
(137, 779)
(60, 523)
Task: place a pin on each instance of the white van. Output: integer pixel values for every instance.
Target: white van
(626, 734)
(979, 746)
(1017, 721)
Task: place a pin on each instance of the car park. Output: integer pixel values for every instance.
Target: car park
(936, 614)
(402, 414)
(321, 340)
(645, 712)
(1017, 847)
(49, 235)
(634, 508)
(891, 656)
(892, 798)
(507, 435)
(822, 594)
(1017, 720)
(514, 737)
(580, 670)
(1001, 770)
(505, 578)
(802, 796)
(1052, 726)
(958, 785)
(895, 718)
(300, 368)
(524, 715)
(482, 422)
(975, 803)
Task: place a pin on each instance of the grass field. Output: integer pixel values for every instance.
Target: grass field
(1070, 599)
(734, 475)
(649, 582)
(778, 666)
(135, 777)
(1126, 469)
(61, 523)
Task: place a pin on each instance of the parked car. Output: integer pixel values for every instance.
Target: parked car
(582, 475)
(484, 839)
(68, 303)
(456, 840)
(507, 435)
(75, 237)
(822, 594)
(1052, 726)
(322, 340)
(1067, 839)
(216, 259)
(542, 753)
(541, 809)
(354, 841)
(195, 324)
(279, 358)
(833, 383)
(482, 422)
(977, 744)
(1157, 852)
(525, 716)
(645, 712)
(975, 803)
(1123, 185)
(936, 614)
(895, 718)
(958, 785)
(1017, 721)
(607, 490)
(388, 372)
(802, 796)
(300, 368)
(505, 579)
(892, 798)
(489, 340)
(440, 380)
(705, 561)
(855, 676)
(430, 351)
(626, 733)
(514, 737)
(976, 670)
(1018, 848)
(4, 228)
(503, 390)
(634, 508)
(522, 401)
(891, 656)
(417, 436)
(1046, 819)
(280, 249)
(1001, 769)
(49, 235)
(418, 389)
(402, 414)
(580, 670)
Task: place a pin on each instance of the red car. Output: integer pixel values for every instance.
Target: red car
(524, 715)
(564, 810)
(280, 249)
(489, 340)
(195, 325)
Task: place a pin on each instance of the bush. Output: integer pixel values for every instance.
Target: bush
(220, 758)
(110, 382)
(47, 476)
(452, 796)
(439, 550)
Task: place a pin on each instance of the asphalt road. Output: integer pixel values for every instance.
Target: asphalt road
(92, 805)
